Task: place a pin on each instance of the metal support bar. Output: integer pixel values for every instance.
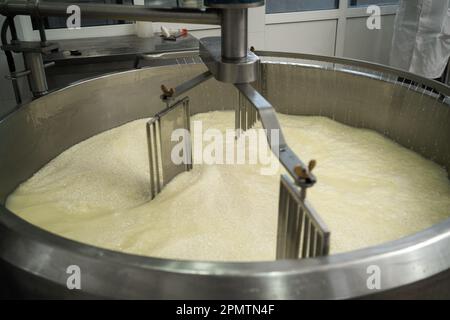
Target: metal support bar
(16, 75)
(270, 122)
(246, 115)
(154, 152)
(120, 12)
(37, 78)
(12, 28)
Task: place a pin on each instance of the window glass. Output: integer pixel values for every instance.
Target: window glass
(174, 3)
(279, 6)
(365, 3)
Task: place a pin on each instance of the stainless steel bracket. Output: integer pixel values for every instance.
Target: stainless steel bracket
(244, 70)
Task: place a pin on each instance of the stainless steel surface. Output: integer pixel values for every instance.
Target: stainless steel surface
(242, 71)
(187, 86)
(408, 114)
(106, 55)
(36, 78)
(94, 49)
(246, 115)
(34, 262)
(292, 197)
(250, 103)
(34, 64)
(228, 57)
(154, 154)
(376, 69)
(160, 145)
(297, 220)
(279, 147)
(183, 55)
(234, 34)
(120, 12)
(169, 170)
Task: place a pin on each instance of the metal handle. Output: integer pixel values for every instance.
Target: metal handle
(17, 75)
(24, 73)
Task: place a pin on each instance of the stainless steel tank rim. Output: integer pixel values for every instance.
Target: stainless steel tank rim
(423, 238)
(369, 66)
(441, 87)
(435, 240)
(340, 263)
(344, 69)
(364, 73)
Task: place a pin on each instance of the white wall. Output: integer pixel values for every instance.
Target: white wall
(372, 45)
(315, 37)
(340, 32)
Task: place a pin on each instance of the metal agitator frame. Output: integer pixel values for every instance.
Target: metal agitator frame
(33, 260)
(229, 60)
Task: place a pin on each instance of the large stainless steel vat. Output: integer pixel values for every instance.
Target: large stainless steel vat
(33, 262)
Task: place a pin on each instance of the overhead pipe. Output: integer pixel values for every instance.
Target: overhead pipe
(112, 11)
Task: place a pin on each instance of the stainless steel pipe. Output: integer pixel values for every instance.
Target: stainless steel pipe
(234, 33)
(120, 12)
(37, 79)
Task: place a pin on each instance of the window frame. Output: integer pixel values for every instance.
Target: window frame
(341, 15)
(312, 10)
(366, 5)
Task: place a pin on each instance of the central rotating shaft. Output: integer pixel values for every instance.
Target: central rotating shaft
(234, 34)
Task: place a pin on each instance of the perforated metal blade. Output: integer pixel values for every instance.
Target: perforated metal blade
(300, 228)
(160, 145)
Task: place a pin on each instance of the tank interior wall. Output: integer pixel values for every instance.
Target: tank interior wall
(414, 119)
(40, 131)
